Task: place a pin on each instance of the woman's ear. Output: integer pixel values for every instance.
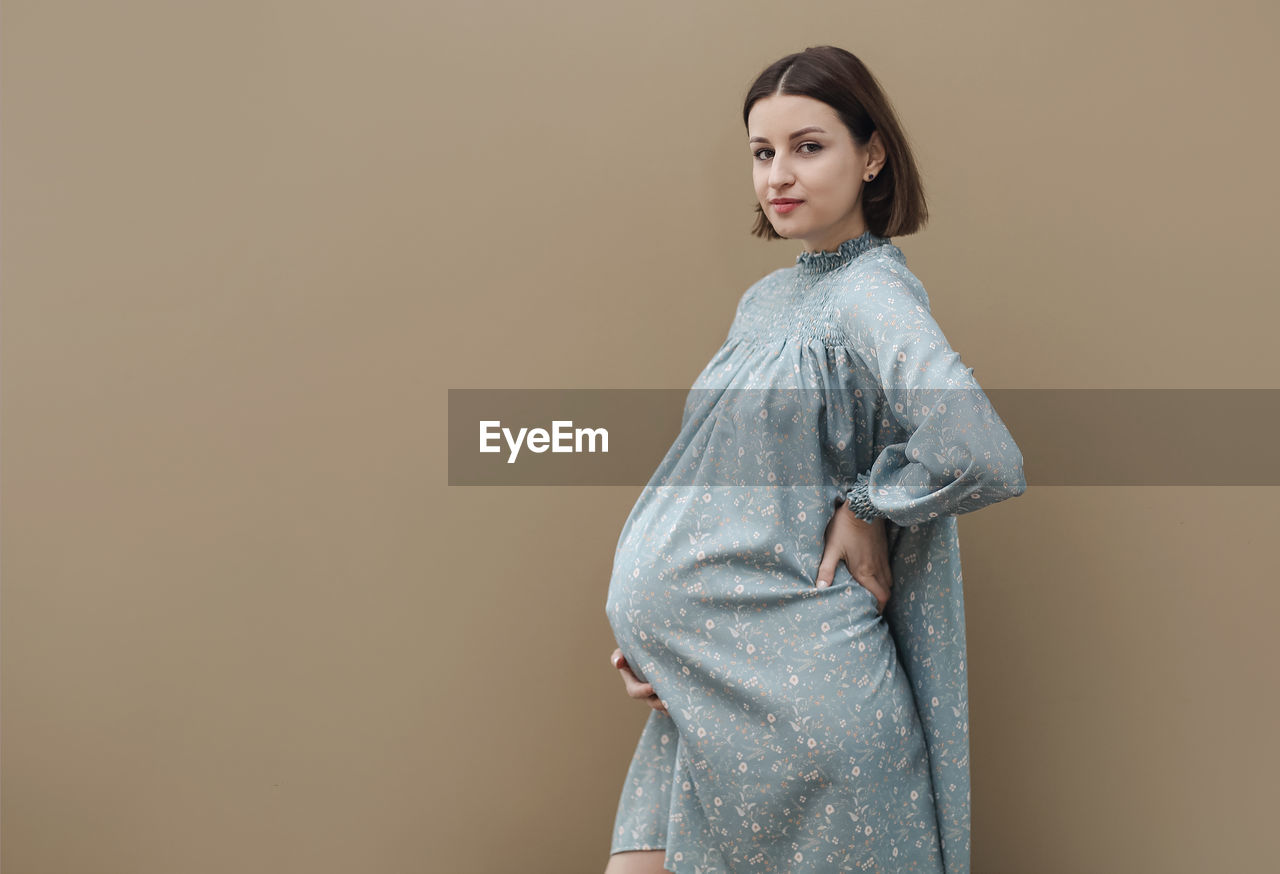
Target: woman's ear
(875, 153)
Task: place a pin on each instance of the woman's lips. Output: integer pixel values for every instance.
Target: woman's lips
(786, 206)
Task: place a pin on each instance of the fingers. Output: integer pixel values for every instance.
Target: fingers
(634, 687)
(872, 571)
(878, 582)
(881, 592)
(827, 568)
(645, 691)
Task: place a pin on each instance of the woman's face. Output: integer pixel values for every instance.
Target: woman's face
(801, 151)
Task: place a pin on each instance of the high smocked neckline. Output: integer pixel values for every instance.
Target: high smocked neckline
(820, 262)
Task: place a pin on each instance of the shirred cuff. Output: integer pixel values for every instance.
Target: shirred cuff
(858, 500)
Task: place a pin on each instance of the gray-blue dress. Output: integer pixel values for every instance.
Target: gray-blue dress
(806, 732)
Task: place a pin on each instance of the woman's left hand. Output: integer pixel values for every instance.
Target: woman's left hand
(864, 549)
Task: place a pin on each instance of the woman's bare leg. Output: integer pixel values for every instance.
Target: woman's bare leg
(636, 862)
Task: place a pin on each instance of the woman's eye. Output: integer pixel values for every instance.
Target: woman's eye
(817, 147)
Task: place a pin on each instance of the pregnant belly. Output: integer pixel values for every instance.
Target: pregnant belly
(741, 612)
(728, 574)
(742, 660)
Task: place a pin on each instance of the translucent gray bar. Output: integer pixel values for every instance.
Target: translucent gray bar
(1078, 437)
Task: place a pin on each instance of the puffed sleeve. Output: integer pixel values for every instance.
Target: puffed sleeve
(954, 454)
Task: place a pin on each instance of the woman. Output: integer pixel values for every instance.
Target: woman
(804, 720)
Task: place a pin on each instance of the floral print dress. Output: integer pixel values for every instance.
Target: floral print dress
(806, 732)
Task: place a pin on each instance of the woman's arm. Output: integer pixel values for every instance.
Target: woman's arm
(958, 455)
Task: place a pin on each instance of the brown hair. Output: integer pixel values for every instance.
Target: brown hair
(893, 202)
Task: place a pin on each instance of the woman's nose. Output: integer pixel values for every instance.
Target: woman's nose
(779, 173)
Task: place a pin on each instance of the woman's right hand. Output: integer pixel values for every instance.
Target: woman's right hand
(635, 688)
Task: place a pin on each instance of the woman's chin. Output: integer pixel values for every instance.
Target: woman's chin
(792, 230)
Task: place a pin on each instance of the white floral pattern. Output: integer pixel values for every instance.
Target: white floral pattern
(808, 733)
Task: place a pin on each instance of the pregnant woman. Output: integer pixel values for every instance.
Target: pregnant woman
(786, 593)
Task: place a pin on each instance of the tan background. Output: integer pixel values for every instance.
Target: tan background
(248, 246)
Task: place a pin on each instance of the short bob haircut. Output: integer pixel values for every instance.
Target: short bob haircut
(893, 202)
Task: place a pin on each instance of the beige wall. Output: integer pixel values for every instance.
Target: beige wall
(248, 246)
